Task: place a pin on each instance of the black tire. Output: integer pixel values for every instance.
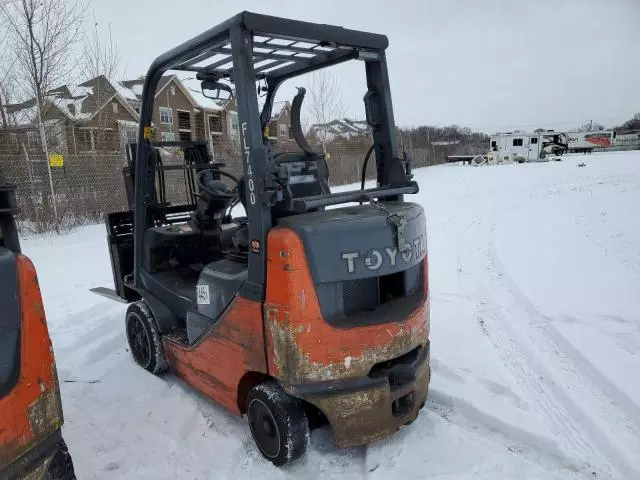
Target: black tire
(61, 467)
(278, 423)
(144, 339)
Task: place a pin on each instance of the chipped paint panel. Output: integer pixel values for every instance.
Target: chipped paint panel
(233, 346)
(302, 347)
(362, 417)
(33, 406)
(45, 413)
(296, 360)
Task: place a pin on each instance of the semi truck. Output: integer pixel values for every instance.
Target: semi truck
(584, 142)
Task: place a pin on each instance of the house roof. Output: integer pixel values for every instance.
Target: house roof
(343, 127)
(278, 108)
(132, 90)
(22, 113)
(76, 102)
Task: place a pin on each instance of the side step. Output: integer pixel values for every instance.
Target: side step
(108, 293)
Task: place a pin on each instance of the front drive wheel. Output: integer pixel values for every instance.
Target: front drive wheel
(144, 339)
(278, 423)
(61, 467)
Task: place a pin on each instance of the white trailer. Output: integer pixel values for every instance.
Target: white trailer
(582, 142)
(523, 147)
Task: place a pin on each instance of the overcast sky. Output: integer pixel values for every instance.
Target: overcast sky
(489, 65)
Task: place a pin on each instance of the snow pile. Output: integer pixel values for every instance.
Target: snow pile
(71, 107)
(128, 93)
(534, 275)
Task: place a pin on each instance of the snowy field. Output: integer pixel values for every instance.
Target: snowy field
(535, 290)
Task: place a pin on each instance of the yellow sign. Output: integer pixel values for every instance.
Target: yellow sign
(56, 160)
(148, 133)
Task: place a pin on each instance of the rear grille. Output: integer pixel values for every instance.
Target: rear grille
(360, 295)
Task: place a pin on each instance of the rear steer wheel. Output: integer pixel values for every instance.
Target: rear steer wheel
(144, 339)
(278, 423)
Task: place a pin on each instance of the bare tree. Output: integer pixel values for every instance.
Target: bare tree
(100, 57)
(43, 34)
(8, 81)
(101, 64)
(325, 102)
(590, 126)
(631, 124)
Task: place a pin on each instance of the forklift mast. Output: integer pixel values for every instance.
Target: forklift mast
(236, 51)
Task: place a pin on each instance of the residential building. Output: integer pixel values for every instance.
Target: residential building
(89, 117)
(280, 124)
(182, 112)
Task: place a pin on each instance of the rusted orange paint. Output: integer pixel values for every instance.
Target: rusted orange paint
(228, 350)
(32, 410)
(301, 346)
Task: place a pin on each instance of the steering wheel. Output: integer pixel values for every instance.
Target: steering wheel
(217, 188)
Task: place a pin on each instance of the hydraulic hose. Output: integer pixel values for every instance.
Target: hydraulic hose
(364, 165)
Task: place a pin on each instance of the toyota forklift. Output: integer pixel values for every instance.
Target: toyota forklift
(295, 312)
(31, 444)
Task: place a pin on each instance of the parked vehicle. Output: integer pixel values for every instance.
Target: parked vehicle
(31, 444)
(585, 142)
(292, 313)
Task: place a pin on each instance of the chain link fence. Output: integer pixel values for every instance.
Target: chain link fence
(87, 184)
(82, 190)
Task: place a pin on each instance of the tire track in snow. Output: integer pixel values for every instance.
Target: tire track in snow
(531, 376)
(576, 427)
(620, 411)
(606, 387)
(516, 357)
(539, 450)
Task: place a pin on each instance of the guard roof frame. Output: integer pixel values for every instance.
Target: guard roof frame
(245, 49)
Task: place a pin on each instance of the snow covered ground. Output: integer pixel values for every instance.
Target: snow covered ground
(535, 290)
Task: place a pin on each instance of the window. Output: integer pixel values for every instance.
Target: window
(55, 136)
(184, 120)
(493, 144)
(273, 129)
(232, 125)
(168, 136)
(115, 107)
(166, 115)
(215, 124)
(283, 131)
(131, 135)
(534, 140)
(173, 90)
(33, 138)
(517, 142)
(13, 138)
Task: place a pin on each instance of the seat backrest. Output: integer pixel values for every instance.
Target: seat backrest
(300, 167)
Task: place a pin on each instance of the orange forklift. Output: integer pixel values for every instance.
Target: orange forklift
(295, 312)
(31, 444)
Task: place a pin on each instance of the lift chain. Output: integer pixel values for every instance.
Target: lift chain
(396, 221)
